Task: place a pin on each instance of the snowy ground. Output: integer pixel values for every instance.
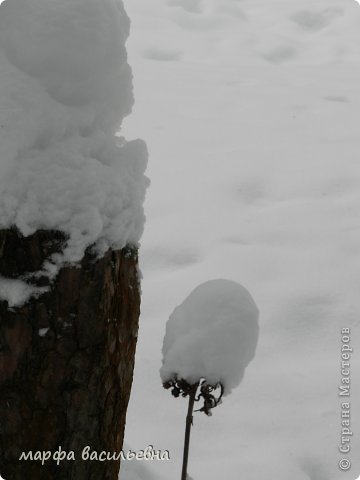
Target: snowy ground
(250, 109)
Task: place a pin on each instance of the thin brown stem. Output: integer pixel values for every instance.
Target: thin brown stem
(189, 422)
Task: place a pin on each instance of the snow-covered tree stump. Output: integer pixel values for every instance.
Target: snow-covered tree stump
(71, 199)
(66, 359)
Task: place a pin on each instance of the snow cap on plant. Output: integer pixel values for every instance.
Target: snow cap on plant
(211, 337)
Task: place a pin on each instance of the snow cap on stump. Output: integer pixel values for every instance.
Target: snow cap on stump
(65, 88)
(212, 335)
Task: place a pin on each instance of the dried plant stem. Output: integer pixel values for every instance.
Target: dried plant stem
(189, 422)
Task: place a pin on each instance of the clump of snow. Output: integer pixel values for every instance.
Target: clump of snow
(65, 87)
(17, 292)
(43, 331)
(212, 335)
(75, 51)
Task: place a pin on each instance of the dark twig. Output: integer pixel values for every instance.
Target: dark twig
(182, 387)
(189, 422)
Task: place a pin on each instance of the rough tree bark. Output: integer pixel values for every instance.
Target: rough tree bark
(70, 386)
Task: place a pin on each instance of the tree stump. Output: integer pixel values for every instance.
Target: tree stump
(66, 359)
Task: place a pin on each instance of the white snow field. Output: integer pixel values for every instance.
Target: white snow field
(212, 335)
(65, 87)
(251, 109)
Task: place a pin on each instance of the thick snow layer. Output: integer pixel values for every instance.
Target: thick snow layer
(74, 50)
(65, 87)
(211, 335)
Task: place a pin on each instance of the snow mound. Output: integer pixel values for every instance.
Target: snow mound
(65, 87)
(212, 335)
(75, 49)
